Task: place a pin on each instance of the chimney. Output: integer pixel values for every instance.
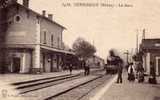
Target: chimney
(44, 13)
(26, 3)
(50, 16)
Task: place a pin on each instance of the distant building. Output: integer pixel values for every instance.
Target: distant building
(96, 62)
(33, 41)
(150, 49)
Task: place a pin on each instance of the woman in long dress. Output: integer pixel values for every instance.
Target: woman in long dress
(131, 72)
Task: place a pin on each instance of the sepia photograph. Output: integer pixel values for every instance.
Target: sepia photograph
(79, 50)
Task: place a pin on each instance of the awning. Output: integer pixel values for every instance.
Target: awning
(57, 50)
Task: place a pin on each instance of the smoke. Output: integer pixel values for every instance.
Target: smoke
(116, 52)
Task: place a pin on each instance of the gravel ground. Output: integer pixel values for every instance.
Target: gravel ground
(84, 92)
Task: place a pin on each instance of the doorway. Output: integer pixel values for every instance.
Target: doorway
(16, 65)
(157, 65)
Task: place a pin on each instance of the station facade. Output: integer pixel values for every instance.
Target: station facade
(33, 41)
(151, 53)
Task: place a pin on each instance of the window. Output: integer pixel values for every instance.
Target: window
(58, 42)
(27, 12)
(45, 38)
(38, 19)
(52, 39)
(17, 18)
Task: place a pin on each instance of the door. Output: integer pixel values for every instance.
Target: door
(57, 62)
(157, 65)
(44, 70)
(51, 63)
(16, 65)
(158, 69)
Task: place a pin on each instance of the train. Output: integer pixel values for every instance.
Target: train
(112, 65)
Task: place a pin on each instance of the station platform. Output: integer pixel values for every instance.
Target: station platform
(129, 90)
(14, 78)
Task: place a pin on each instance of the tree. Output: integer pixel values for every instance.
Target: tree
(83, 49)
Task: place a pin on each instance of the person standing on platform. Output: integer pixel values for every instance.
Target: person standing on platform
(87, 68)
(70, 68)
(131, 72)
(84, 66)
(119, 70)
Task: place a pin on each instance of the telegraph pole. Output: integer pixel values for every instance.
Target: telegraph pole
(137, 43)
(127, 54)
(143, 34)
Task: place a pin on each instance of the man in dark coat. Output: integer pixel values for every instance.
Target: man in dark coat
(70, 68)
(119, 70)
(84, 66)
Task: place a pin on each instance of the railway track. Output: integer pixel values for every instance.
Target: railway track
(82, 91)
(44, 86)
(70, 89)
(33, 86)
(93, 86)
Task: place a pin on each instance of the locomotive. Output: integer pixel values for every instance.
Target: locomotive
(112, 64)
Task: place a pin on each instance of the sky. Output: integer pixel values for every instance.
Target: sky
(105, 27)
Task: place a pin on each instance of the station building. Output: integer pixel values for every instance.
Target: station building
(96, 62)
(150, 49)
(33, 42)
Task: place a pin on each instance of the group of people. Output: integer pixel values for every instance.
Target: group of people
(136, 71)
(85, 66)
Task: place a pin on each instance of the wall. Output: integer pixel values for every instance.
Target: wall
(28, 63)
(25, 59)
(51, 29)
(47, 60)
(22, 31)
(153, 55)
